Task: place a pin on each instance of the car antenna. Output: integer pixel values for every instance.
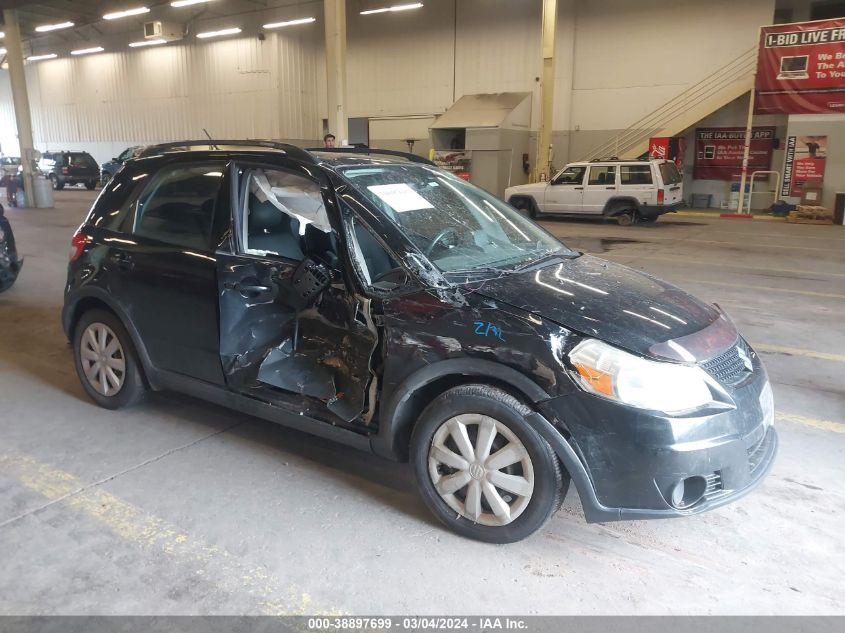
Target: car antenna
(213, 144)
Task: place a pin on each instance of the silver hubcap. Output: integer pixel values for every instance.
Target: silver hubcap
(102, 359)
(481, 469)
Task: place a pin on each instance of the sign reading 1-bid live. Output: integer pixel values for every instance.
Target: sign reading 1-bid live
(801, 68)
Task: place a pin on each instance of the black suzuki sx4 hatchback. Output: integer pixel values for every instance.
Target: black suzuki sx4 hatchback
(371, 298)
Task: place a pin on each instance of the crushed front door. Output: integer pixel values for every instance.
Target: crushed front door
(311, 355)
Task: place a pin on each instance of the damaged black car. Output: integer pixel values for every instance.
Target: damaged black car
(371, 298)
(10, 263)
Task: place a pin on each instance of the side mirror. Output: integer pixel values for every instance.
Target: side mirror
(310, 279)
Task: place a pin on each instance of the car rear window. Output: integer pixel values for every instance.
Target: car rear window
(80, 160)
(669, 173)
(635, 174)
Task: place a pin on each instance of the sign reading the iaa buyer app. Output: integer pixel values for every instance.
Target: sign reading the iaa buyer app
(801, 68)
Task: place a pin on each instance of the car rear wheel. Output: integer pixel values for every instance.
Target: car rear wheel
(106, 362)
(55, 182)
(626, 218)
(526, 205)
(481, 469)
(90, 184)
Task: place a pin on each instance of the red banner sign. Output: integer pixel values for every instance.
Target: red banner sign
(801, 68)
(719, 151)
(804, 162)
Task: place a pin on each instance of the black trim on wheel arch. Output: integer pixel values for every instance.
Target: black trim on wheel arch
(550, 483)
(69, 318)
(615, 205)
(397, 415)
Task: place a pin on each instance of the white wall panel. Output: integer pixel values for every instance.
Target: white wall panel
(236, 88)
(401, 63)
(498, 46)
(631, 57)
(617, 60)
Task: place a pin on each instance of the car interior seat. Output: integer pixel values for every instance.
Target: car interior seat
(273, 231)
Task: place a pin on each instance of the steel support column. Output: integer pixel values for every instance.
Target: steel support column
(23, 119)
(335, 18)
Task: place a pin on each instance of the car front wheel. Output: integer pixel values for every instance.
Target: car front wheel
(106, 362)
(481, 469)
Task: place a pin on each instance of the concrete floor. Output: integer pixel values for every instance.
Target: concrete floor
(178, 507)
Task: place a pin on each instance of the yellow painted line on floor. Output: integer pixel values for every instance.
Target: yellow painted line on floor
(795, 351)
(808, 293)
(824, 425)
(703, 262)
(212, 563)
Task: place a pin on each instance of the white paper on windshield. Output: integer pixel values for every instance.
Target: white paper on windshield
(401, 197)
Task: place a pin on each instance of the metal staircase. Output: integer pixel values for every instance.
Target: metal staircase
(700, 100)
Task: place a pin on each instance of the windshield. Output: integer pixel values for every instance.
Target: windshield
(457, 225)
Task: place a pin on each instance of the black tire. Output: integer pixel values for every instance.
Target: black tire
(133, 388)
(90, 185)
(528, 205)
(57, 184)
(625, 219)
(549, 482)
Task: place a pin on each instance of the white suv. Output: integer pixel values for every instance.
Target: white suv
(627, 190)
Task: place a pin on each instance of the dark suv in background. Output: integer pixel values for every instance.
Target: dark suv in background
(371, 298)
(109, 169)
(69, 168)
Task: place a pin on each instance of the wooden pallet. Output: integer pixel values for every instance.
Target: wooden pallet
(804, 221)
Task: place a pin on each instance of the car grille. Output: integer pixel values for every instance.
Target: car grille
(729, 368)
(714, 488)
(757, 451)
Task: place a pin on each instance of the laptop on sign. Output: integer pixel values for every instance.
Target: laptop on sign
(794, 67)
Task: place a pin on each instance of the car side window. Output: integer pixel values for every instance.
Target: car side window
(380, 269)
(635, 175)
(177, 207)
(602, 175)
(570, 176)
(282, 212)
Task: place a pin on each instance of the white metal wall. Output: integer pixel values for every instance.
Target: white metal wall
(238, 88)
(617, 60)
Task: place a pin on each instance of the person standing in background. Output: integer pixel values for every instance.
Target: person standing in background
(328, 141)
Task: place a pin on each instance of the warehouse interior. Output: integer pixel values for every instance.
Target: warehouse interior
(180, 507)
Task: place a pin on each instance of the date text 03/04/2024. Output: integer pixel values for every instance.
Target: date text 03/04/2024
(412, 623)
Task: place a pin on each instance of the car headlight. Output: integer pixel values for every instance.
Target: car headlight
(611, 373)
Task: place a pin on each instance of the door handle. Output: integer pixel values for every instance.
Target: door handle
(251, 291)
(610, 187)
(248, 291)
(579, 188)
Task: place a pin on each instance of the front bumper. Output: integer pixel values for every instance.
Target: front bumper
(632, 461)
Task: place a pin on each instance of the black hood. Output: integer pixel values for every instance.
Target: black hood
(622, 306)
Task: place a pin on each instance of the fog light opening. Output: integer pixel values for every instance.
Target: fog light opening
(687, 492)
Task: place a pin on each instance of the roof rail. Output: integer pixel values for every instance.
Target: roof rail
(291, 150)
(371, 150)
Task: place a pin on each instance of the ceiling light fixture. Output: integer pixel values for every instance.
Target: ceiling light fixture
(86, 51)
(147, 43)
(278, 25)
(397, 7)
(45, 28)
(2, 35)
(207, 34)
(125, 13)
(2, 51)
(187, 3)
(37, 58)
